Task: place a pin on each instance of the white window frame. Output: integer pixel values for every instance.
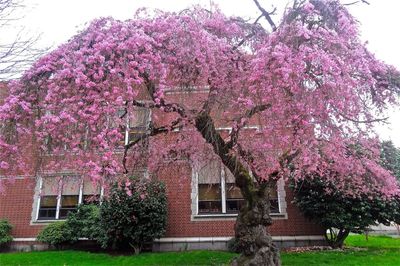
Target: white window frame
(127, 124)
(59, 195)
(223, 198)
(196, 216)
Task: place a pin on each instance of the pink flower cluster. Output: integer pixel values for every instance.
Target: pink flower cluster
(320, 87)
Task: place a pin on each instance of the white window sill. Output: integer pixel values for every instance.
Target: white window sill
(47, 221)
(230, 215)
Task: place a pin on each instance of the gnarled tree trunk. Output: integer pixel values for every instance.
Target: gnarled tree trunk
(253, 238)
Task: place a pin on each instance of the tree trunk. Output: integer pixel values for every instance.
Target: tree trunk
(254, 241)
(336, 239)
(252, 236)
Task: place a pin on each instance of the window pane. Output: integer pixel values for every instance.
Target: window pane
(47, 214)
(50, 186)
(70, 195)
(91, 199)
(48, 198)
(71, 185)
(234, 206)
(48, 208)
(69, 201)
(234, 198)
(273, 198)
(233, 192)
(210, 198)
(229, 178)
(139, 118)
(210, 174)
(273, 192)
(68, 204)
(209, 192)
(138, 122)
(90, 188)
(274, 208)
(136, 134)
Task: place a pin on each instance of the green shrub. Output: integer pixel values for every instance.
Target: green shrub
(5, 232)
(84, 223)
(340, 214)
(134, 213)
(55, 234)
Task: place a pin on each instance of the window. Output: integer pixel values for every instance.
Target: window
(69, 195)
(234, 198)
(91, 192)
(137, 123)
(218, 194)
(60, 196)
(209, 189)
(274, 199)
(48, 199)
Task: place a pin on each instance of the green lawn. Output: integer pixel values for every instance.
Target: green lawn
(85, 258)
(377, 251)
(381, 242)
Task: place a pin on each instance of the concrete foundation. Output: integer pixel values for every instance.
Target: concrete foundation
(221, 243)
(172, 244)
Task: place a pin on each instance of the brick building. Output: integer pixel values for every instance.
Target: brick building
(202, 205)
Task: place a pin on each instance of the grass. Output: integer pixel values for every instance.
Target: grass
(98, 259)
(378, 250)
(348, 258)
(380, 242)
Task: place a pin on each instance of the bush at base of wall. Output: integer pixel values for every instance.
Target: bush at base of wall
(5, 232)
(84, 223)
(55, 234)
(134, 213)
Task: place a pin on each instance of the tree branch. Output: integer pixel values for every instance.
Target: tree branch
(152, 132)
(383, 119)
(234, 135)
(248, 36)
(356, 2)
(160, 102)
(267, 15)
(205, 125)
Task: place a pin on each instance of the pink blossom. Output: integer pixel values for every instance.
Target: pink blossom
(306, 91)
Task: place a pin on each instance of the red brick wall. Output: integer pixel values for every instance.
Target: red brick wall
(178, 180)
(16, 206)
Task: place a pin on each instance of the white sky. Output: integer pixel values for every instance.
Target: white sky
(57, 21)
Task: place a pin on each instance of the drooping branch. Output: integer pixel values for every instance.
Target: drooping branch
(250, 35)
(243, 120)
(356, 2)
(267, 15)
(153, 131)
(357, 121)
(384, 119)
(160, 102)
